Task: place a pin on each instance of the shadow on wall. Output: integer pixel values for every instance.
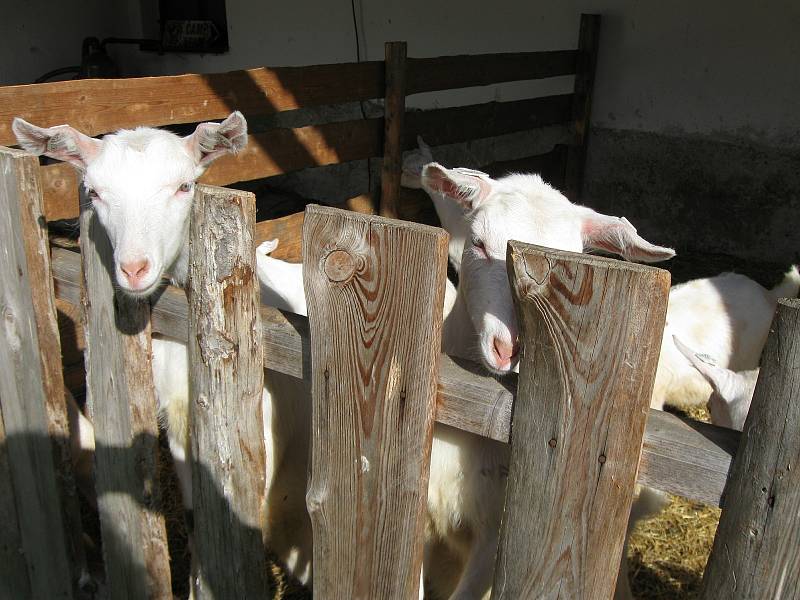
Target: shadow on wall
(733, 206)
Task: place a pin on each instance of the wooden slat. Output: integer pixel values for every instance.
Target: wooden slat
(756, 552)
(465, 123)
(394, 113)
(37, 250)
(591, 334)
(123, 410)
(14, 582)
(288, 231)
(449, 72)
(226, 383)
(375, 290)
(687, 458)
(588, 45)
(34, 457)
(96, 106)
(679, 455)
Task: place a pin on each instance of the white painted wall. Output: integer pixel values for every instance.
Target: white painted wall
(716, 68)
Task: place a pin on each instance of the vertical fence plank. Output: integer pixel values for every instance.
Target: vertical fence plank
(14, 581)
(591, 331)
(25, 390)
(122, 404)
(375, 292)
(756, 552)
(227, 376)
(394, 115)
(588, 44)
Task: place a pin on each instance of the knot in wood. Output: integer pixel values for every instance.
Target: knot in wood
(601, 459)
(552, 443)
(537, 267)
(339, 266)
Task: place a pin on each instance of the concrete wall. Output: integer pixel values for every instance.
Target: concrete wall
(695, 123)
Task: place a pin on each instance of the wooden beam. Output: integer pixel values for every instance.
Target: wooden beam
(393, 115)
(226, 382)
(27, 388)
(450, 72)
(375, 290)
(96, 106)
(588, 45)
(590, 331)
(678, 455)
(756, 552)
(123, 410)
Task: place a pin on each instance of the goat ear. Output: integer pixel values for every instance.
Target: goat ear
(211, 140)
(61, 142)
(413, 162)
(466, 187)
(726, 383)
(618, 236)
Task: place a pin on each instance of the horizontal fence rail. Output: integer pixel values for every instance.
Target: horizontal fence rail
(678, 455)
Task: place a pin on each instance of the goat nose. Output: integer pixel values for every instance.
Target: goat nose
(504, 350)
(135, 269)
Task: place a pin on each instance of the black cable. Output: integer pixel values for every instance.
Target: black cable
(57, 72)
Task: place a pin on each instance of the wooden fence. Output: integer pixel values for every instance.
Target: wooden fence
(591, 330)
(575, 417)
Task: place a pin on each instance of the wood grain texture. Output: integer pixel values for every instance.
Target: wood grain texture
(96, 106)
(449, 72)
(122, 407)
(14, 581)
(226, 382)
(588, 45)
(591, 334)
(679, 455)
(375, 289)
(756, 552)
(33, 456)
(393, 117)
(37, 249)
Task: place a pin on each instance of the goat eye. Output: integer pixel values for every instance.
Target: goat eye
(478, 243)
(186, 187)
(93, 196)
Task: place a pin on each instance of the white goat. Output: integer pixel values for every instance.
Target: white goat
(141, 185)
(732, 392)
(467, 481)
(728, 316)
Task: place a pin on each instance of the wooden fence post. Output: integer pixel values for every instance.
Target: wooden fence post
(31, 388)
(226, 356)
(588, 44)
(591, 334)
(375, 289)
(393, 116)
(122, 404)
(756, 552)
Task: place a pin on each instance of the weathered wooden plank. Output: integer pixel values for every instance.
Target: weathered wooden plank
(449, 72)
(591, 334)
(375, 290)
(122, 406)
(37, 249)
(686, 458)
(226, 383)
(678, 455)
(393, 115)
(33, 455)
(756, 552)
(464, 123)
(588, 45)
(97, 106)
(14, 581)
